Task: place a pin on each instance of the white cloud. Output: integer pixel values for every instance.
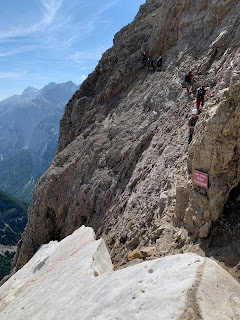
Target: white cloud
(10, 75)
(70, 41)
(83, 77)
(106, 7)
(50, 9)
(82, 30)
(16, 51)
(82, 56)
(87, 68)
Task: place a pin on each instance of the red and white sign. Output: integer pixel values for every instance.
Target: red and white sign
(201, 179)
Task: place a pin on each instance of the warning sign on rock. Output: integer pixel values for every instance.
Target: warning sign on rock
(201, 179)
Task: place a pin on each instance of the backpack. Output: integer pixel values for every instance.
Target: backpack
(159, 62)
(187, 77)
(201, 93)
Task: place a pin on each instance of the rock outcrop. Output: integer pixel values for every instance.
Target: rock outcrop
(123, 137)
(216, 151)
(74, 279)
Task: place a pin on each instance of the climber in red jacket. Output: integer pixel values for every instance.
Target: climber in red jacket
(189, 79)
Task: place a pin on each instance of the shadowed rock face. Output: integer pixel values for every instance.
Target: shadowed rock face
(123, 137)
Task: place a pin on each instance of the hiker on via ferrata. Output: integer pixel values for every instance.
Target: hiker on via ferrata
(159, 64)
(144, 57)
(201, 92)
(189, 80)
(148, 63)
(152, 65)
(191, 124)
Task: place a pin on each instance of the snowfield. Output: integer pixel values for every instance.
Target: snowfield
(74, 279)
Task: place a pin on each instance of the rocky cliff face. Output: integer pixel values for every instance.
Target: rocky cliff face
(123, 137)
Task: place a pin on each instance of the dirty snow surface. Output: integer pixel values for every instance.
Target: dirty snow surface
(74, 279)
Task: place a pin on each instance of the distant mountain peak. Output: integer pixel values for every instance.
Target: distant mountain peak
(49, 86)
(30, 91)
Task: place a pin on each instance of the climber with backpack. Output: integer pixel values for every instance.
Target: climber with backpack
(191, 124)
(189, 80)
(149, 63)
(159, 63)
(201, 92)
(144, 57)
(152, 65)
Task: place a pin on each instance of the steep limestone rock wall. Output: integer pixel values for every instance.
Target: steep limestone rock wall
(206, 214)
(123, 137)
(216, 151)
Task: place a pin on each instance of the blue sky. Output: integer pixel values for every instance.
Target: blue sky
(56, 40)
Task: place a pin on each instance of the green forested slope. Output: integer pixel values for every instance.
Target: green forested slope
(13, 218)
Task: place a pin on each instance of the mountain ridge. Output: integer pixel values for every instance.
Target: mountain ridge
(18, 125)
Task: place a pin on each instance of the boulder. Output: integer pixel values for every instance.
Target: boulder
(135, 254)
